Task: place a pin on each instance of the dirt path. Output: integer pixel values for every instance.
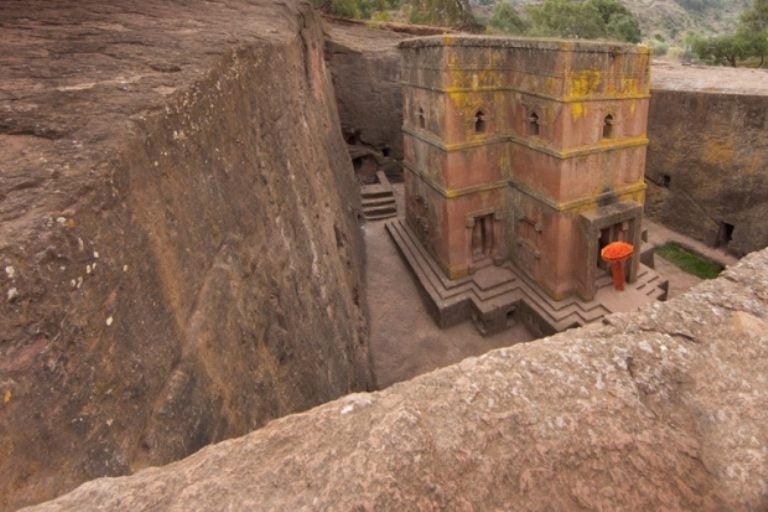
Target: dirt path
(404, 340)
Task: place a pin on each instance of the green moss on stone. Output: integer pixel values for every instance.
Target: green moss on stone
(689, 261)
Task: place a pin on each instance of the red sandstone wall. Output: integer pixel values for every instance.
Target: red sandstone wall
(178, 224)
(708, 165)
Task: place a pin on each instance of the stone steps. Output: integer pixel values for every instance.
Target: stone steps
(515, 283)
(378, 199)
(511, 288)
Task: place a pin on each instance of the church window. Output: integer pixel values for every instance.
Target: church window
(608, 127)
(533, 124)
(479, 122)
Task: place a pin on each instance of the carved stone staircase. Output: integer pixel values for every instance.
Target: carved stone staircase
(497, 297)
(378, 199)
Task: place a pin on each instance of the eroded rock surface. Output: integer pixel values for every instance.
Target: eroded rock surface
(708, 155)
(661, 409)
(179, 253)
(365, 65)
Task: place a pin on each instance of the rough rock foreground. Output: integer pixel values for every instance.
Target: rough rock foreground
(180, 259)
(663, 409)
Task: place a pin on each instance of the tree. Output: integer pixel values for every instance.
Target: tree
(584, 19)
(451, 13)
(506, 19)
(620, 23)
(753, 30)
(723, 50)
(756, 17)
(749, 41)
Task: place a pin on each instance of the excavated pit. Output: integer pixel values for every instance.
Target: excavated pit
(182, 263)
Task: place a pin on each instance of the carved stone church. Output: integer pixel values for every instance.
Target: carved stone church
(524, 157)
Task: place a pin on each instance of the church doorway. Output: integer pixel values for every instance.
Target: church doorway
(482, 238)
(619, 232)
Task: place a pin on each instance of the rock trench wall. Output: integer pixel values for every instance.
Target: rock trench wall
(661, 409)
(179, 239)
(708, 166)
(365, 67)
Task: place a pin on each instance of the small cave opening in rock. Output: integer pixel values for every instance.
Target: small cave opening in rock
(511, 317)
(724, 234)
(666, 180)
(365, 168)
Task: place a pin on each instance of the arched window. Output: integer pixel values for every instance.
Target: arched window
(422, 118)
(479, 122)
(533, 124)
(608, 127)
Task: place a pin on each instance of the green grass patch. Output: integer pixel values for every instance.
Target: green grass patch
(689, 261)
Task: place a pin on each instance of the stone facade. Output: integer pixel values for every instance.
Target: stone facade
(529, 151)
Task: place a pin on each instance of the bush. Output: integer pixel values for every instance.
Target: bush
(381, 16)
(659, 49)
(506, 19)
(584, 19)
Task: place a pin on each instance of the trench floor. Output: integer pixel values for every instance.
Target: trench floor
(406, 342)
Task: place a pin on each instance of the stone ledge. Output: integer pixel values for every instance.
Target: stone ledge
(448, 40)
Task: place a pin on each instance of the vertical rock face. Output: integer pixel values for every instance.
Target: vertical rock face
(365, 64)
(180, 254)
(708, 156)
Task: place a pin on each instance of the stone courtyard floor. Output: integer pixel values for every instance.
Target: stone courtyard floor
(406, 342)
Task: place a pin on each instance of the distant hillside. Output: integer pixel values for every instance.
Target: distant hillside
(665, 20)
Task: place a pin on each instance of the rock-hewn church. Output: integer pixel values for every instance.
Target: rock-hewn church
(525, 157)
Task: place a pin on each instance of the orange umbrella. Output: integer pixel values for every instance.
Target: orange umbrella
(616, 253)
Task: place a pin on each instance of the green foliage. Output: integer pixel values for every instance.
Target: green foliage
(659, 49)
(755, 19)
(566, 18)
(623, 27)
(452, 13)
(364, 9)
(689, 261)
(506, 19)
(381, 16)
(584, 19)
(749, 41)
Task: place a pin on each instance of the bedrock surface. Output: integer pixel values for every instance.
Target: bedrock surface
(661, 409)
(707, 157)
(180, 259)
